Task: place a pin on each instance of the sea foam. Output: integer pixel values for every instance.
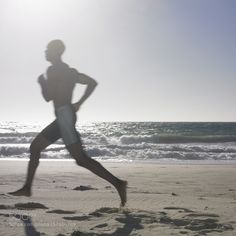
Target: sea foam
(131, 141)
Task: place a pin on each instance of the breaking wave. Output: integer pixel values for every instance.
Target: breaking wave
(133, 141)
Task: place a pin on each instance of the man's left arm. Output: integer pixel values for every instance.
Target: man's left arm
(86, 80)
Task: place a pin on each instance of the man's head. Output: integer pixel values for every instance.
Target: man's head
(55, 49)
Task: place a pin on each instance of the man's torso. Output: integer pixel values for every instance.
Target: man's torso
(60, 84)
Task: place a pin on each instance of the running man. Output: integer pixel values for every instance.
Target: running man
(57, 86)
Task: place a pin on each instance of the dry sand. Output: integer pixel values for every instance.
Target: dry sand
(163, 199)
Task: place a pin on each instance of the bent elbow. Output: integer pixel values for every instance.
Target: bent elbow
(95, 83)
(48, 100)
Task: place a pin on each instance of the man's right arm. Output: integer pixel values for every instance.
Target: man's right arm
(44, 88)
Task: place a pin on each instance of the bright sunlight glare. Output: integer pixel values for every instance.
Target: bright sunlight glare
(26, 13)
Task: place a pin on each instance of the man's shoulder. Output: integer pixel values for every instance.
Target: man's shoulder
(74, 75)
(51, 69)
(74, 71)
(58, 69)
(50, 72)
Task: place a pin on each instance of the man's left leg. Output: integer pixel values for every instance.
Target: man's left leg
(82, 159)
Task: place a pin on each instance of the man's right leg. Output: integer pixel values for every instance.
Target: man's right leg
(48, 136)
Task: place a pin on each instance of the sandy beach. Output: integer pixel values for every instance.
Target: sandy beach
(163, 199)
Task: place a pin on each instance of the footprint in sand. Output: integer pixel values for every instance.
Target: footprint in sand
(24, 206)
(100, 226)
(128, 220)
(201, 223)
(107, 187)
(231, 190)
(178, 208)
(79, 218)
(146, 192)
(84, 188)
(30, 206)
(131, 220)
(3, 195)
(5, 215)
(58, 211)
(5, 207)
(201, 215)
(105, 210)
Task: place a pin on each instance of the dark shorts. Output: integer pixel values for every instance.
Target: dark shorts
(63, 127)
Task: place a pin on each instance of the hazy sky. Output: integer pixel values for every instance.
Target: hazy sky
(154, 60)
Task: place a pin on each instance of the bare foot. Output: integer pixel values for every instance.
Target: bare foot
(122, 188)
(21, 192)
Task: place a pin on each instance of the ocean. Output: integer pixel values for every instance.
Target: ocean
(132, 141)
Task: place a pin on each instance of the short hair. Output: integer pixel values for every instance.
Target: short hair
(57, 46)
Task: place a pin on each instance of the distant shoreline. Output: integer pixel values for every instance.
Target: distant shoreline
(147, 162)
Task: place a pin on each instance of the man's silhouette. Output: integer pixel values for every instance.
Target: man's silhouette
(57, 86)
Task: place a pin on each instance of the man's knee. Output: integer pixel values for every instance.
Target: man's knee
(38, 145)
(34, 155)
(75, 150)
(81, 160)
(34, 149)
(78, 153)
